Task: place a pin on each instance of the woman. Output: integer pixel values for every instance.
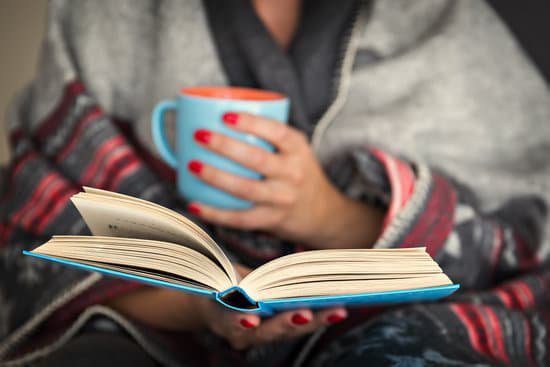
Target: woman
(381, 92)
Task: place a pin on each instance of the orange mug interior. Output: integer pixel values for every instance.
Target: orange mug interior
(235, 93)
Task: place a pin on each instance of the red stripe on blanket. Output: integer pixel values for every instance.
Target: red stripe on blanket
(84, 121)
(499, 349)
(471, 328)
(401, 178)
(56, 205)
(48, 207)
(13, 221)
(38, 207)
(516, 295)
(517, 302)
(436, 221)
(72, 90)
(482, 330)
(90, 175)
(117, 167)
(498, 245)
(28, 206)
(528, 300)
(22, 161)
(504, 297)
(133, 166)
(485, 330)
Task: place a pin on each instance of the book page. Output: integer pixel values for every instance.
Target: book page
(155, 259)
(116, 215)
(344, 272)
(337, 288)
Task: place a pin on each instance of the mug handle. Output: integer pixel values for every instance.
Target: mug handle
(159, 135)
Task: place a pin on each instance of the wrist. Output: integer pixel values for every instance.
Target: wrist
(347, 223)
(161, 308)
(200, 308)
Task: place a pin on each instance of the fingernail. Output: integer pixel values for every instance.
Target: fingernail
(194, 209)
(335, 318)
(195, 166)
(230, 118)
(246, 324)
(298, 319)
(202, 136)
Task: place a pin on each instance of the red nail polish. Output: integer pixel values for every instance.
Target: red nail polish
(298, 319)
(194, 209)
(246, 324)
(335, 318)
(230, 118)
(195, 166)
(202, 136)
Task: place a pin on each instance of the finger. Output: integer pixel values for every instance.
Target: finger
(245, 188)
(255, 158)
(258, 217)
(243, 321)
(283, 326)
(283, 137)
(239, 328)
(236, 327)
(260, 191)
(306, 321)
(228, 320)
(330, 316)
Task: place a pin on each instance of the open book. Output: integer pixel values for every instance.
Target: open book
(143, 241)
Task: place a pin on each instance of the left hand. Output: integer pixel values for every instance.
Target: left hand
(168, 309)
(295, 200)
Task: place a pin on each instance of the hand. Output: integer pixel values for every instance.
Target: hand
(243, 330)
(178, 311)
(295, 201)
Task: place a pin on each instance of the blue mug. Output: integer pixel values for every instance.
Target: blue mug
(203, 108)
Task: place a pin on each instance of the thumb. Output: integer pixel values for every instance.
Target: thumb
(242, 320)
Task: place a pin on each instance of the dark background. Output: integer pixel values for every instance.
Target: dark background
(529, 20)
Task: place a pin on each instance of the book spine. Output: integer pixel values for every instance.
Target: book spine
(236, 298)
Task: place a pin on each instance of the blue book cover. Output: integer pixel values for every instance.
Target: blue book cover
(236, 298)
